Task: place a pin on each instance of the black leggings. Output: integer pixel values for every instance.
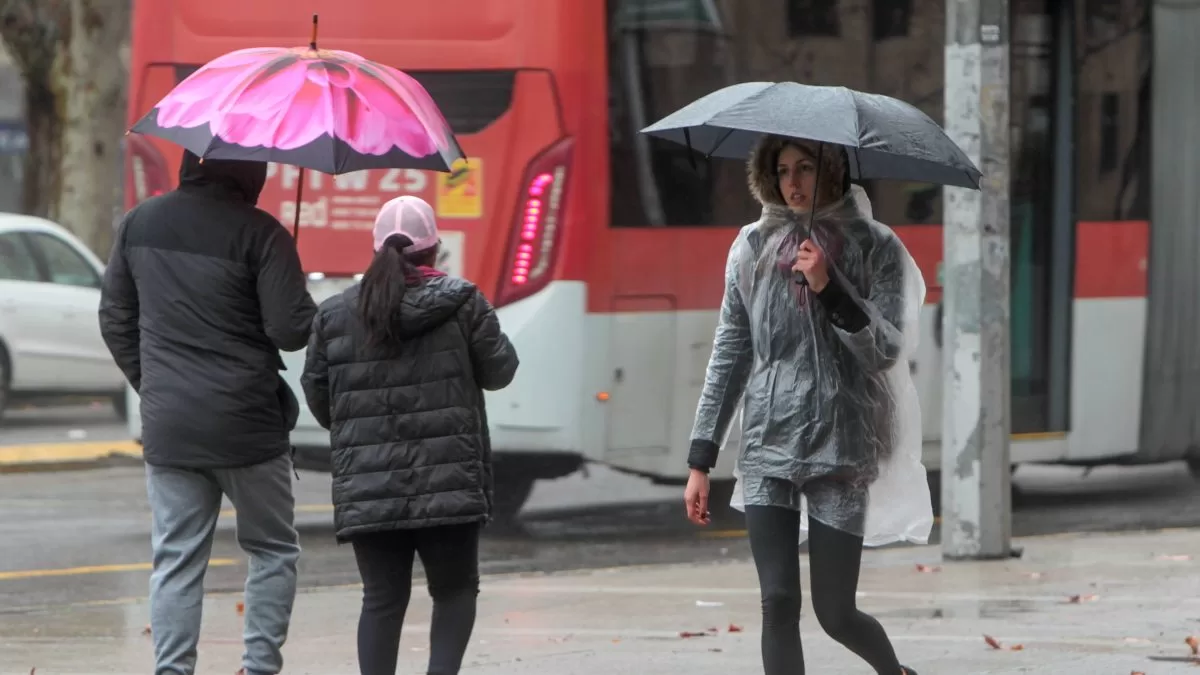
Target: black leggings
(450, 556)
(834, 560)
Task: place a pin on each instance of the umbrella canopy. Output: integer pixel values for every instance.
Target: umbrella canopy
(325, 110)
(885, 138)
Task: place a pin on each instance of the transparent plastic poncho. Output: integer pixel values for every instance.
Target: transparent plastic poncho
(815, 400)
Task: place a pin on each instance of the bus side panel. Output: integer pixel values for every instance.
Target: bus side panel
(1109, 334)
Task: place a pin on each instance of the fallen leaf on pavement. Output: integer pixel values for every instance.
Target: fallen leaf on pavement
(995, 644)
(241, 608)
(714, 649)
(734, 628)
(146, 630)
(928, 569)
(1194, 643)
(1078, 599)
(692, 634)
(1137, 672)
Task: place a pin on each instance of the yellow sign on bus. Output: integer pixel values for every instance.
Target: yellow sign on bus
(460, 192)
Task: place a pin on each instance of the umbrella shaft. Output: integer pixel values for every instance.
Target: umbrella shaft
(299, 203)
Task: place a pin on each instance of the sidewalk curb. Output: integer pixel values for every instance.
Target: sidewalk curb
(68, 456)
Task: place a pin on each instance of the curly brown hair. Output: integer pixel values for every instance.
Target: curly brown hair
(763, 174)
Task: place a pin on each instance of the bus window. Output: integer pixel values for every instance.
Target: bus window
(1112, 168)
(663, 55)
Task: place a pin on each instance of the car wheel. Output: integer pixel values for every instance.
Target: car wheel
(5, 379)
(1193, 462)
(119, 403)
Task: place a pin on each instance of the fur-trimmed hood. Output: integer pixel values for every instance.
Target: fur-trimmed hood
(763, 178)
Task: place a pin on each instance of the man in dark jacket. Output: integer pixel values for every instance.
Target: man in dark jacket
(201, 292)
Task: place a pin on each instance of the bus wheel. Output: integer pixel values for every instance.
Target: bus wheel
(719, 494)
(509, 495)
(4, 379)
(515, 473)
(934, 478)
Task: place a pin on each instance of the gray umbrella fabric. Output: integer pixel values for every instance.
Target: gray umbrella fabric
(885, 138)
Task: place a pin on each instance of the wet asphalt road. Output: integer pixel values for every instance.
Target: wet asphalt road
(83, 536)
(81, 421)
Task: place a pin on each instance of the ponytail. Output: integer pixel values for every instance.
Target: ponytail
(382, 290)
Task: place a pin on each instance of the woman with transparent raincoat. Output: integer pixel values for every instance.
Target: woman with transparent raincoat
(817, 325)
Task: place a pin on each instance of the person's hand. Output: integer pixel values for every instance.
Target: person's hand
(810, 262)
(695, 496)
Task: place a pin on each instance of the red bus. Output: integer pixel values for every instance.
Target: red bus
(614, 315)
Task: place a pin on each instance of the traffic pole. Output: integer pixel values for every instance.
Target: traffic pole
(976, 477)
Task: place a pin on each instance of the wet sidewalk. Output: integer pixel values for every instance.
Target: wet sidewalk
(1073, 605)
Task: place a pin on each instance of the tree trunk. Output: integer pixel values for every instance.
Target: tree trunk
(42, 182)
(93, 89)
(68, 51)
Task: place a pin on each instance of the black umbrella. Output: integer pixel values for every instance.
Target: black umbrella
(885, 138)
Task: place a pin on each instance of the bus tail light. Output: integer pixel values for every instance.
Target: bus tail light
(147, 174)
(533, 246)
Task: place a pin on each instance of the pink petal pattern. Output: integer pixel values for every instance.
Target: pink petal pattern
(288, 98)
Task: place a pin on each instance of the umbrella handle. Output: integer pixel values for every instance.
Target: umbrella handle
(801, 235)
(299, 203)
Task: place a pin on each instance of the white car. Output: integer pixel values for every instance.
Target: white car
(50, 344)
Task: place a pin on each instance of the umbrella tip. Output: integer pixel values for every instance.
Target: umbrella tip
(313, 42)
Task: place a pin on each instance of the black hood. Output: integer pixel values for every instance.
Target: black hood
(432, 303)
(426, 306)
(232, 179)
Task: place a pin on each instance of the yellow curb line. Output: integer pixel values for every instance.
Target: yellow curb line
(300, 508)
(49, 453)
(98, 569)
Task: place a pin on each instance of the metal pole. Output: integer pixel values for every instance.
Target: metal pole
(976, 479)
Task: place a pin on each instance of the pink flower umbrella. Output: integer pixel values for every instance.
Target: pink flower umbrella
(325, 110)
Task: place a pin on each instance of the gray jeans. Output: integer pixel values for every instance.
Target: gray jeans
(185, 505)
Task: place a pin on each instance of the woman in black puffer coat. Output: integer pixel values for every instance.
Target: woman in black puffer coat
(396, 369)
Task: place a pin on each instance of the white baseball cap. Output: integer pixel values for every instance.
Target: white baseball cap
(410, 216)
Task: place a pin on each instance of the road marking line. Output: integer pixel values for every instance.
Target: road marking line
(737, 534)
(36, 453)
(1108, 644)
(300, 508)
(928, 598)
(723, 534)
(98, 569)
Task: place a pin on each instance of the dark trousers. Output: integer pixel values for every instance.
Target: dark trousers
(834, 560)
(450, 556)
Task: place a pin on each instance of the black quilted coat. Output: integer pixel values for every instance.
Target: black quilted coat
(407, 426)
